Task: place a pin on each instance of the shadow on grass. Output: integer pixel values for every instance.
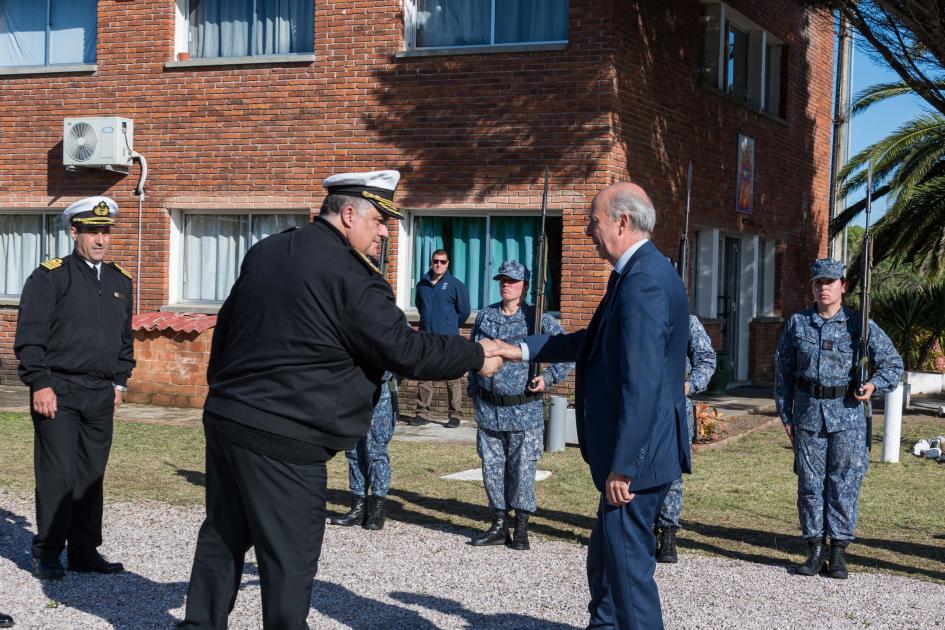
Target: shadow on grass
(770, 543)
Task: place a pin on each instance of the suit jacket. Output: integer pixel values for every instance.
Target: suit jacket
(631, 367)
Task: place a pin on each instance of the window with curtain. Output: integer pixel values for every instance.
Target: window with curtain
(47, 32)
(736, 62)
(478, 245)
(445, 23)
(245, 28)
(25, 241)
(213, 246)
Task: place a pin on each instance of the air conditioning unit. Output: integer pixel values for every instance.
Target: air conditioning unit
(100, 142)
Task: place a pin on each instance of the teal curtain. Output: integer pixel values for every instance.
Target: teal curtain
(468, 256)
(513, 238)
(428, 237)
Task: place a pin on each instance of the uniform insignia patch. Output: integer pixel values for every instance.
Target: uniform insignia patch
(366, 261)
(123, 271)
(52, 263)
(101, 210)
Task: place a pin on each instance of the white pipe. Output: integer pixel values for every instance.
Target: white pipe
(892, 425)
(139, 191)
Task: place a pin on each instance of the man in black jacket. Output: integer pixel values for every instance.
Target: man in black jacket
(75, 347)
(295, 369)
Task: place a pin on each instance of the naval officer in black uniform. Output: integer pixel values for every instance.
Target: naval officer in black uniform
(296, 362)
(75, 347)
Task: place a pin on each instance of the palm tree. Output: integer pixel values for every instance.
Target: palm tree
(908, 168)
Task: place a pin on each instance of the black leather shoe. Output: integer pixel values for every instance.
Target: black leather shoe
(816, 556)
(5, 621)
(375, 517)
(666, 545)
(837, 562)
(95, 564)
(417, 421)
(452, 423)
(355, 515)
(497, 534)
(520, 537)
(48, 569)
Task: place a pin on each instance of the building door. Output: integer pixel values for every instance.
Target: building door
(728, 297)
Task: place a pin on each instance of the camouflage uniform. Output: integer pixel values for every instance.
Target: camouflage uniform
(829, 433)
(700, 366)
(368, 461)
(510, 440)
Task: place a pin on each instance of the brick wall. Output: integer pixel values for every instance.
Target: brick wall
(467, 131)
(764, 333)
(171, 368)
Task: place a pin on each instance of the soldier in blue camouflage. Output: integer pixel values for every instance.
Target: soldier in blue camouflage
(822, 415)
(369, 466)
(700, 366)
(511, 418)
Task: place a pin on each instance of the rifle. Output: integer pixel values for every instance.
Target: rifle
(541, 270)
(862, 375)
(393, 384)
(682, 262)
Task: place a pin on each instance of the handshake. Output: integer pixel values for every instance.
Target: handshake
(497, 352)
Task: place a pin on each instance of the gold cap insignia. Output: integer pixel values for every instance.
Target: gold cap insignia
(101, 210)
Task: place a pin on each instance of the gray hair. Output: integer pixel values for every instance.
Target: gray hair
(334, 204)
(638, 209)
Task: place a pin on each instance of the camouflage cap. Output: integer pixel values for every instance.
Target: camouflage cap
(512, 269)
(827, 268)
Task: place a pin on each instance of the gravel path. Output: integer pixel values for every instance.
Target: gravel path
(409, 576)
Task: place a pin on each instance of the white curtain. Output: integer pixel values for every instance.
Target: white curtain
(58, 241)
(518, 21)
(214, 247)
(19, 250)
(284, 26)
(453, 22)
(72, 32)
(224, 28)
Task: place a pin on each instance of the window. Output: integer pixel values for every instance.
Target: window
(25, 241)
(766, 253)
(741, 59)
(212, 248)
(456, 23)
(248, 28)
(47, 32)
(477, 246)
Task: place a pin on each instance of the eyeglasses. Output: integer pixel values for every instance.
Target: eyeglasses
(440, 262)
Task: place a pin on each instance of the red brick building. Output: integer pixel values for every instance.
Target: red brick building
(241, 113)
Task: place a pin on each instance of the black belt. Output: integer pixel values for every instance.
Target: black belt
(507, 401)
(821, 391)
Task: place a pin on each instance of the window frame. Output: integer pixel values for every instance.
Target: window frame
(176, 251)
(405, 280)
(411, 48)
(46, 67)
(45, 214)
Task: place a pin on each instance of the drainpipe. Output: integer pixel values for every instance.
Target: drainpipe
(139, 191)
(840, 153)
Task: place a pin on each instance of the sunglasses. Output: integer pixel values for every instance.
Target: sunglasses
(441, 262)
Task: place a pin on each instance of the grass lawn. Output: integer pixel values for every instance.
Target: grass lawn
(740, 503)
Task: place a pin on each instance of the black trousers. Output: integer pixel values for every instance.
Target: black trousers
(276, 506)
(70, 452)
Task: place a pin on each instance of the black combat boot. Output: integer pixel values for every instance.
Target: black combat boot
(666, 545)
(816, 556)
(520, 541)
(355, 515)
(375, 516)
(497, 534)
(838, 562)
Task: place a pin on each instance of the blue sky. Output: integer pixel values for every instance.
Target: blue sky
(878, 121)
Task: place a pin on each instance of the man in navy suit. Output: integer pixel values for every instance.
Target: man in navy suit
(631, 407)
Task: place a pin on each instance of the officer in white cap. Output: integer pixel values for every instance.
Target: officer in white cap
(299, 351)
(75, 348)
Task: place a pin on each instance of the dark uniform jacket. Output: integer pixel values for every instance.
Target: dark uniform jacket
(75, 327)
(304, 337)
(443, 306)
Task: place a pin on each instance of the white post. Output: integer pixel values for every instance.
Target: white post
(892, 426)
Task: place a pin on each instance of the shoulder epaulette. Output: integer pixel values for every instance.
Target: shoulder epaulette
(123, 271)
(364, 259)
(52, 263)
